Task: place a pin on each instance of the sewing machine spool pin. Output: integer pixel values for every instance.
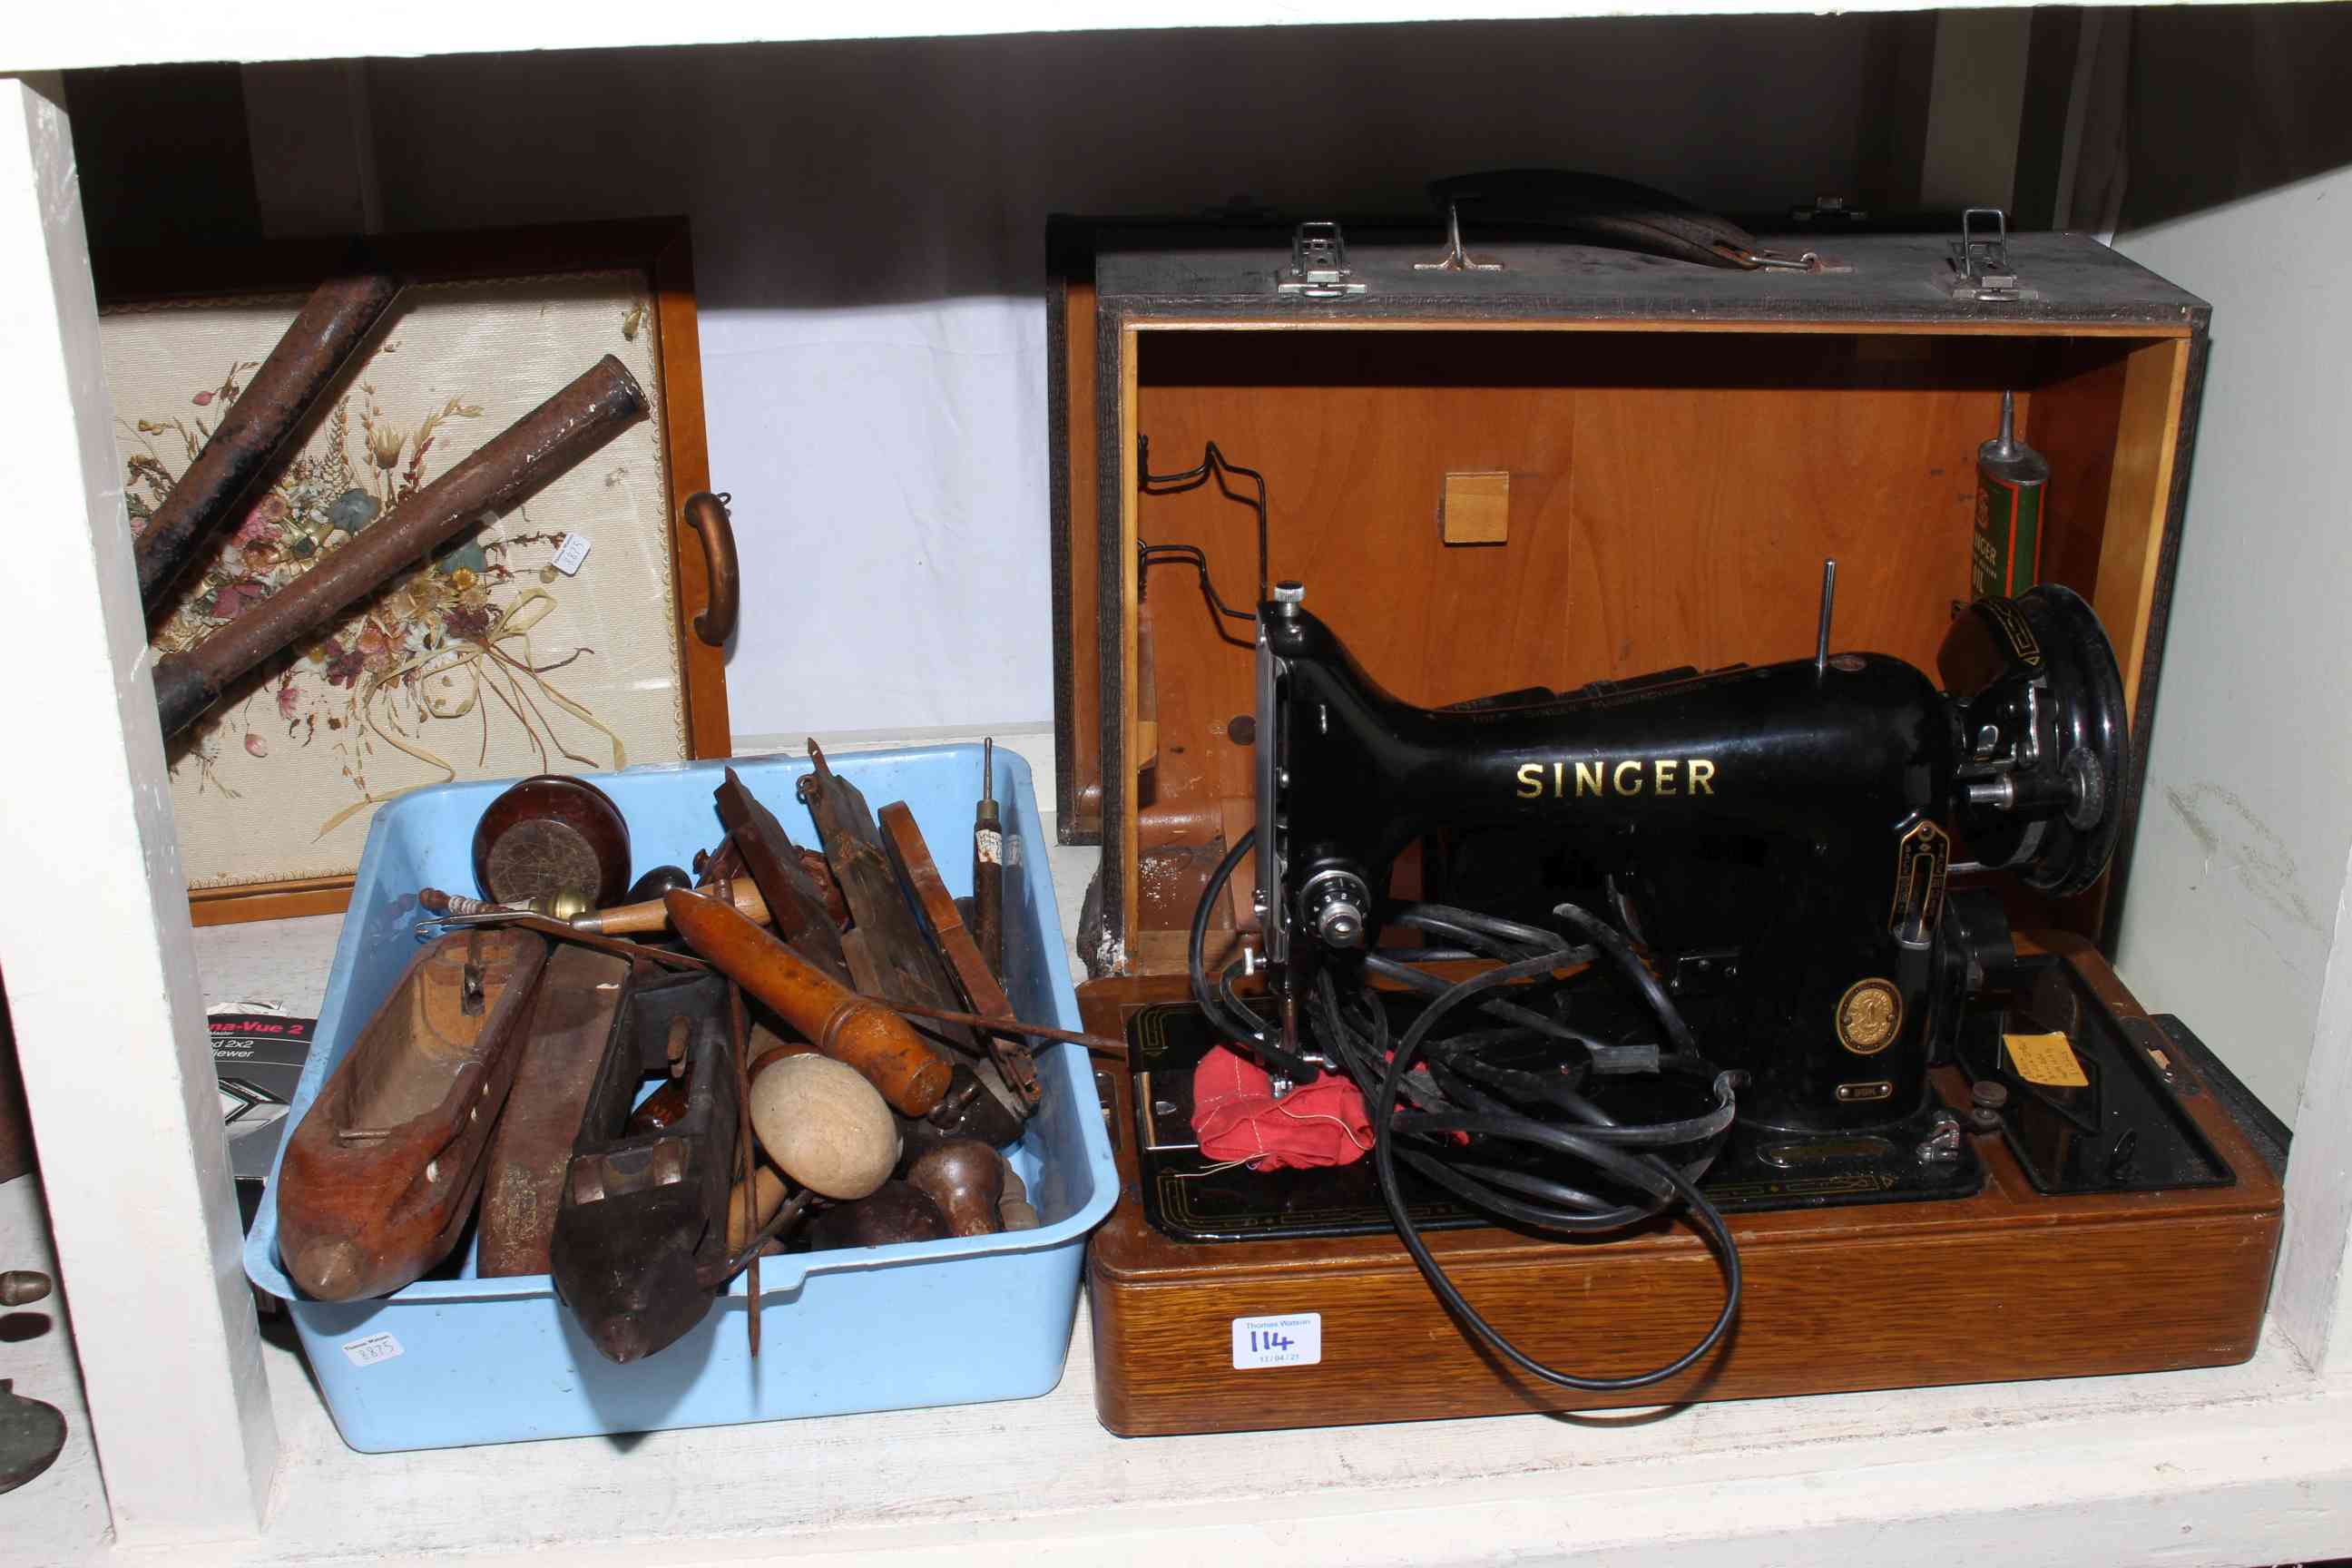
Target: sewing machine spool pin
(1829, 603)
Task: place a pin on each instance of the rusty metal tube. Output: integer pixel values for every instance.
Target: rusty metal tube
(550, 438)
(216, 486)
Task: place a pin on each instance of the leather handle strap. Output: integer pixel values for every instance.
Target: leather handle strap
(1610, 211)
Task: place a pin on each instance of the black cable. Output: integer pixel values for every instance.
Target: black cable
(1566, 1209)
(1387, 968)
(1435, 1121)
(1449, 1112)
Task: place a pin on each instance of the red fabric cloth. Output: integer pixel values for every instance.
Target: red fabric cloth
(1236, 1117)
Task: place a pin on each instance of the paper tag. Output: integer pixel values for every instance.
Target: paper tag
(2045, 1060)
(1296, 1339)
(372, 1350)
(988, 847)
(575, 551)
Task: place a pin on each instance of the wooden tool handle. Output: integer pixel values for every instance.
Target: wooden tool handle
(844, 1026)
(988, 901)
(635, 919)
(988, 867)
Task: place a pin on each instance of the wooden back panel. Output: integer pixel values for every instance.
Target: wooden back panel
(1079, 648)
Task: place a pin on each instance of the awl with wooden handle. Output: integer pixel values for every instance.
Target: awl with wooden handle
(448, 910)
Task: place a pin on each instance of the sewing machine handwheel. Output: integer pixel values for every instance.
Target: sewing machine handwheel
(2048, 638)
(2094, 739)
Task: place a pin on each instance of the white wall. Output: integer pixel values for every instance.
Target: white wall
(2247, 818)
(869, 235)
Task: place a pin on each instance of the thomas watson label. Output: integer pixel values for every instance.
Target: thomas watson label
(1294, 1339)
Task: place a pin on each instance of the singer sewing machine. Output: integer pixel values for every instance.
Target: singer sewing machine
(1780, 839)
(1928, 1113)
(1865, 886)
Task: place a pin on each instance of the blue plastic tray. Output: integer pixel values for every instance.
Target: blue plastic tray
(449, 1362)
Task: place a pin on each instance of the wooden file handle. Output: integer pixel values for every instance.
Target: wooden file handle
(848, 1027)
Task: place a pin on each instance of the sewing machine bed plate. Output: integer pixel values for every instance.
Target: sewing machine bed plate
(2010, 1282)
(2124, 1129)
(1192, 1198)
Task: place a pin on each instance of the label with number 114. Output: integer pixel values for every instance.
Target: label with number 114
(1294, 1338)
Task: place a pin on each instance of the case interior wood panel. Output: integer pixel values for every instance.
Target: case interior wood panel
(1072, 480)
(1683, 448)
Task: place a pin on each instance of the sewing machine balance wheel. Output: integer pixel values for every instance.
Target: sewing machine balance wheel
(2042, 708)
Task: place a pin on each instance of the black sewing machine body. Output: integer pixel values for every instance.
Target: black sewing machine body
(1779, 839)
(1783, 821)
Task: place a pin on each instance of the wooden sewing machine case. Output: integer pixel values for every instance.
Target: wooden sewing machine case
(1591, 465)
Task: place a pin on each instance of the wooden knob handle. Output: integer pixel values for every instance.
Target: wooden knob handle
(844, 1026)
(966, 1179)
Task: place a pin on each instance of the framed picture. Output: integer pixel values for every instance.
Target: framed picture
(560, 637)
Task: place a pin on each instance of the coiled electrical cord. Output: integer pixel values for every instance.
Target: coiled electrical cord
(1450, 1123)
(1627, 1157)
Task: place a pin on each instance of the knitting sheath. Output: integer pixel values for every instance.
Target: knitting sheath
(336, 318)
(545, 442)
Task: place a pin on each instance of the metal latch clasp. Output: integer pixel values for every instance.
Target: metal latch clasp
(1980, 268)
(1319, 265)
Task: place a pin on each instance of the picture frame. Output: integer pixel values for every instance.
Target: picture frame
(502, 654)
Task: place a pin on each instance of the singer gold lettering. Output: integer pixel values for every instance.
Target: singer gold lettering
(1670, 776)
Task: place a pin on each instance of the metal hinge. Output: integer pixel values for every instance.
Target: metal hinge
(1828, 211)
(1980, 268)
(1319, 265)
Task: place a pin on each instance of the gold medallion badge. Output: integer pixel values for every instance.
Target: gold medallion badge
(1869, 1015)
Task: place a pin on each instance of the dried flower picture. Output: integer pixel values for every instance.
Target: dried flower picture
(482, 662)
